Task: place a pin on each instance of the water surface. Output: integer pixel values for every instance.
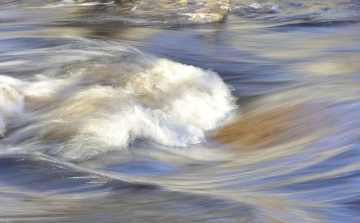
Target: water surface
(145, 111)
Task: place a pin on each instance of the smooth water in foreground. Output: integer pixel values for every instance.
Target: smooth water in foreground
(201, 111)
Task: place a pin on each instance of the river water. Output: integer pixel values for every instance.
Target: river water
(150, 111)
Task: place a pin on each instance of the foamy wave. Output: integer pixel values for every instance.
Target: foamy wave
(140, 97)
(11, 100)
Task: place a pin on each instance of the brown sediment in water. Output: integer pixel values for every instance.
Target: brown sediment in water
(269, 127)
(67, 122)
(61, 132)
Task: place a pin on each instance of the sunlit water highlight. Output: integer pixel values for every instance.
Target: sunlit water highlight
(143, 111)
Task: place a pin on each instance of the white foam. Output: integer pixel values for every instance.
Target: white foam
(11, 100)
(255, 6)
(142, 97)
(44, 88)
(275, 9)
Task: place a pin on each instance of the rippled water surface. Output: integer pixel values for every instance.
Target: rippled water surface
(190, 111)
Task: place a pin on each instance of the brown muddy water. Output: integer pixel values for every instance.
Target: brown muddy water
(190, 111)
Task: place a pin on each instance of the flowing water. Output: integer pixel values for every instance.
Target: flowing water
(199, 111)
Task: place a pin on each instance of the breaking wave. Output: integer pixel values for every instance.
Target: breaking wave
(133, 97)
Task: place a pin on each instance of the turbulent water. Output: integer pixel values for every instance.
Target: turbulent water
(190, 111)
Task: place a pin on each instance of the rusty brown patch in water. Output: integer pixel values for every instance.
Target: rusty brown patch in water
(269, 127)
(61, 132)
